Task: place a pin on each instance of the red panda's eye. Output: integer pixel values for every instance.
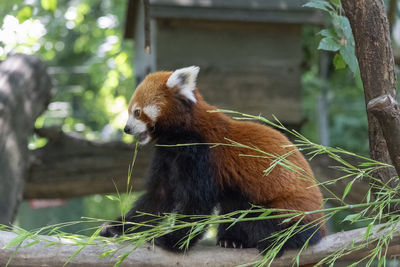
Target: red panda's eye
(136, 112)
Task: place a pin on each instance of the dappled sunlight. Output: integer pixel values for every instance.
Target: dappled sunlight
(20, 37)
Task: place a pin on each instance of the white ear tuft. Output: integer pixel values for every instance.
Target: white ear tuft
(185, 80)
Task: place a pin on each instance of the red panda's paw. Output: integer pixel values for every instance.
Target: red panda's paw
(227, 243)
(110, 229)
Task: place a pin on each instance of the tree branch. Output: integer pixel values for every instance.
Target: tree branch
(201, 255)
(386, 110)
(375, 57)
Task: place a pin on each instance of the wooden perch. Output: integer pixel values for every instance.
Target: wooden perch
(386, 110)
(71, 166)
(201, 255)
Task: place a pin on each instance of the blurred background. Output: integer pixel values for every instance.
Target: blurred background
(256, 57)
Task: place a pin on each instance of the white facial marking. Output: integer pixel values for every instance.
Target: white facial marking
(136, 125)
(152, 111)
(185, 80)
(133, 108)
(145, 141)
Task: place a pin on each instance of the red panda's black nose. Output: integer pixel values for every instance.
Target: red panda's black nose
(127, 130)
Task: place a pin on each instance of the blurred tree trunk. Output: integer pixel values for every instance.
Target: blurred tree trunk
(375, 58)
(24, 94)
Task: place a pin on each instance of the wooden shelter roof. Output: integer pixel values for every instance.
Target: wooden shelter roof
(272, 11)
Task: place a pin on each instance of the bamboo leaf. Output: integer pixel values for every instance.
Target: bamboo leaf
(105, 254)
(31, 243)
(347, 189)
(74, 254)
(369, 196)
(368, 231)
(287, 220)
(122, 258)
(113, 198)
(352, 217)
(17, 240)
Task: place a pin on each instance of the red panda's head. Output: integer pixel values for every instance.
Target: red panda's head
(161, 100)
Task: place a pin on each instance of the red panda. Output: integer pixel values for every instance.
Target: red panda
(194, 179)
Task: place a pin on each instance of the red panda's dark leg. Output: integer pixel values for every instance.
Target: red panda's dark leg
(250, 234)
(233, 236)
(194, 190)
(299, 238)
(256, 233)
(181, 182)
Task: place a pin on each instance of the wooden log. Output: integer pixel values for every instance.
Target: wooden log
(24, 94)
(386, 110)
(200, 255)
(71, 166)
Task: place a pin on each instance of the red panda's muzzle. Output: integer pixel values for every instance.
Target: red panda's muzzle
(138, 129)
(143, 137)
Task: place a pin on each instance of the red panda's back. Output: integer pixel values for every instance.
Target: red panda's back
(267, 168)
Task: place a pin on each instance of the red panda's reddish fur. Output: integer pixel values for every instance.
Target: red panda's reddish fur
(281, 188)
(195, 178)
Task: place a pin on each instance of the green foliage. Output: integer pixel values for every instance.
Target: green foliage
(24, 14)
(311, 84)
(339, 62)
(320, 4)
(111, 206)
(82, 41)
(338, 38)
(49, 4)
(328, 43)
(346, 108)
(347, 116)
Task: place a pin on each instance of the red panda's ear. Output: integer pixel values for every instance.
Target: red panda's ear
(185, 81)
